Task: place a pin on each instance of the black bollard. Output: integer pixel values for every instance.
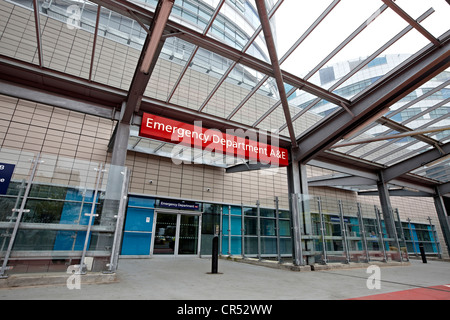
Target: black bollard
(422, 253)
(215, 255)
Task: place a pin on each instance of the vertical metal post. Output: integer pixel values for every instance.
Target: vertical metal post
(221, 231)
(229, 230)
(38, 32)
(436, 239)
(362, 231)
(15, 209)
(344, 232)
(114, 261)
(296, 231)
(277, 227)
(258, 227)
(412, 236)
(199, 235)
(386, 206)
(100, 170)
(322, 231)
(215, 255)
(177, 236)
(242, 231)
(402, 233)
(443, 216)
(380, 233)
(19, 217)
(397, 242)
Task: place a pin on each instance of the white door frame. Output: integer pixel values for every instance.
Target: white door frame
(178, 213)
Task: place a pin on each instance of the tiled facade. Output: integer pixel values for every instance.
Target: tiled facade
(33, 127)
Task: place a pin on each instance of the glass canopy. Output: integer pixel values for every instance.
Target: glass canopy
(331, 54)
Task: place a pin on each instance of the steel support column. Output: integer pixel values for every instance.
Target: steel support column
(265, 23)
(443, 217)
(149, 56)
(120, 142)
(386, 207)
(300, 213)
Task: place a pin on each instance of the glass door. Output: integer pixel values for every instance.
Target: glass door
(165, 234)
(188, 236)
(176, 234)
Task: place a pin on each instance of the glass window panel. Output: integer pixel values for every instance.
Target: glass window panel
(327, 36)
(236, 24)
(201, 77)
(188, 241)
(438, 23)
(173, 58)
(260, 102)
(18, 33)
(236, 87)
(317, 110)
(292, 20)
(404, 153)
(117, 51)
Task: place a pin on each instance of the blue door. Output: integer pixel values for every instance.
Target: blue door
(137, 236)
(234, 230)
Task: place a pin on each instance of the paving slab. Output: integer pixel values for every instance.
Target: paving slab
(188, 278)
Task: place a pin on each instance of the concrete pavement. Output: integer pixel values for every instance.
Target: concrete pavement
(186, 278)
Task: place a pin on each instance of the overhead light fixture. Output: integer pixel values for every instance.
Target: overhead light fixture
(161, 16)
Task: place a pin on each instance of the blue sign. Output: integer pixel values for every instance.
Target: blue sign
(337, 219)
(179, 205)
(6, 172)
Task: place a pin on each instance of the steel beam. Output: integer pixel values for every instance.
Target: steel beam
(361, 66)
(270, 42)
(443, 217)
(444, 188)
(413, 163)
(386, 206)
(244, 167)
(419, 69)
(120, 143)
(341, 181)
(299, 41)
(220, 48)
(149, 56)
(30, 82)
(38, 32)
(412, 22)
(194, 52)
(94, 44)
(53, 99)
(398, 193)
(419, 134)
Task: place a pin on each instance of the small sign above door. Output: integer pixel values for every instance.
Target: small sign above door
(6, 172)
(179, 205)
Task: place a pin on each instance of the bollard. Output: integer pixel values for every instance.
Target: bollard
(422, 253)
(215, 255)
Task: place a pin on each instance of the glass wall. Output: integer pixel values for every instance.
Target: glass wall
(57, 210)
(333, 231)
(354, 232)
(256, 231)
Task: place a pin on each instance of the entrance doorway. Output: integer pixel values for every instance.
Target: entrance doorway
(176, 234)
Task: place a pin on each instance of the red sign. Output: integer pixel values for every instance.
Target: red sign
(168, 130)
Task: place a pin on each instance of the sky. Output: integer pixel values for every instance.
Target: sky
(294, 17)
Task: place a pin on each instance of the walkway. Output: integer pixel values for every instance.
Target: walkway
(188, 279)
